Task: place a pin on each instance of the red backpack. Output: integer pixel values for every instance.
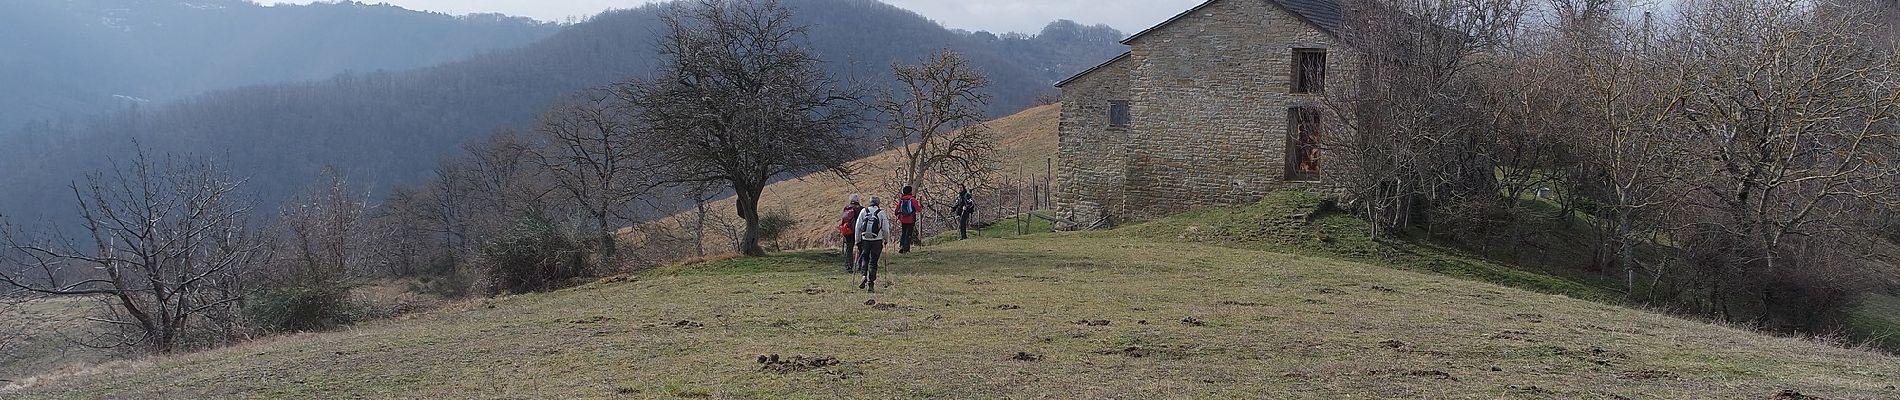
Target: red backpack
(850, 218)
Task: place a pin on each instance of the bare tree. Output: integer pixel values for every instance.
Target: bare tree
(469, 200)
(1622, 156)
(936, 119)
(169, 243)
(593, 152)
(936, 122)
(502, 180)
(740, 100)
(1413, 117)
(329, 243)
(331, 239)
(1792, 111)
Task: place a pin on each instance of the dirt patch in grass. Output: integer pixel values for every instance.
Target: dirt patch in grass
(774, 363)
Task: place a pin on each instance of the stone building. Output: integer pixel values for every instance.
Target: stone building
(1217, 106)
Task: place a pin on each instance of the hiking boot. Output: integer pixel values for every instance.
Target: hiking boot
(860, 283)
(871, 289)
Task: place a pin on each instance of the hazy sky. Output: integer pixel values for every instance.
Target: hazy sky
(990, 15)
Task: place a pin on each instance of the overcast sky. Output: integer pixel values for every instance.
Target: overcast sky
(986, 15)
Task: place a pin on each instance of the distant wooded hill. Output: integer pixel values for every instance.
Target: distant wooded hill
(389, 128)
(72, 59)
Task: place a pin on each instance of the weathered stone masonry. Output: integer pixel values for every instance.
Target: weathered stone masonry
(1209, 94)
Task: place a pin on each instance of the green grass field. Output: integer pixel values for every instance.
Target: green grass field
(1099, 315)
(1879, 316)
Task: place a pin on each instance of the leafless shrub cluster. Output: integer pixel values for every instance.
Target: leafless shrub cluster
(1727, 151)
(168, 242)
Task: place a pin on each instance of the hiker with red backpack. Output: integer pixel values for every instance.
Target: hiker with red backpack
(871, 228)
(846, 230)
(907, 208)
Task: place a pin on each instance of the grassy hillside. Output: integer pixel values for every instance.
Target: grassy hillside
(1025, 141)
(41, 335)
(1301, 223)
(1056, 315)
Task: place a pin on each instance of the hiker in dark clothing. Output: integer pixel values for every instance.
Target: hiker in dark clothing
(966, 206)
(872, 227)
(846, 230)
(907, 208)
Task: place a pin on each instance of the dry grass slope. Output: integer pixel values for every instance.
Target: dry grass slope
(39, 336)
(1025, 142)
(1095, 315)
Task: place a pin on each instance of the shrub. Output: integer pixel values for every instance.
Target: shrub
(301, 308)
(531, 256)
(452, 284)
(774, 224)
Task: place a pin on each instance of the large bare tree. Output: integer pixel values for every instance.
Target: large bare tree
(741, 100)
(936, 122)
(169, 242)
(936, 119)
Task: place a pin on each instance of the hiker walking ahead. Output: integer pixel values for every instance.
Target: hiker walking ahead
(907, 209)
(966, 205)
(872, 227)
(846, 227)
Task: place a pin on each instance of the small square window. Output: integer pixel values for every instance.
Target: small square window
(1309, 71)
(1118, 116)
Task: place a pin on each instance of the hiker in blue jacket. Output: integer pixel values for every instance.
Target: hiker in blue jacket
(872, 228)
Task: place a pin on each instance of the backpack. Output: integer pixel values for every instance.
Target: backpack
(850, 218)
(906, 206)
(875, 226)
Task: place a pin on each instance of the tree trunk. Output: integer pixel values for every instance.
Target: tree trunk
(606, 241)
(1626, 247)
(699, 227)
(748, 205)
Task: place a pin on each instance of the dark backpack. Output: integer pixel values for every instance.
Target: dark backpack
(906, 206)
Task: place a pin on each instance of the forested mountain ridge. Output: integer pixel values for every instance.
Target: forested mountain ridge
(73, 59)
(390, 128)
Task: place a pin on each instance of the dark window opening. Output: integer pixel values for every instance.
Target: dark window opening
(1118, 114)
(1309, 70)
(1304, 131)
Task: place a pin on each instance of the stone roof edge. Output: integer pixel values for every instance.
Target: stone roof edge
(1091, 70)
(1191, 11)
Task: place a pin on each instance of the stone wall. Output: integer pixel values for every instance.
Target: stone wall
(1090, 178)
(1209, 96)
(1211, 93)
